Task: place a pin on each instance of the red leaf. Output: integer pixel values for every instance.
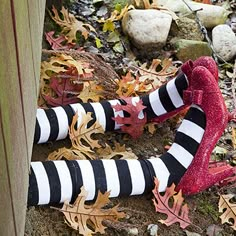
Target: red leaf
(57, 43)
(66, 92)
(132, 125)
(178, 212)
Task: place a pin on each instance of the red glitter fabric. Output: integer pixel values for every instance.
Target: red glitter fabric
(187, 68)
(197, 176)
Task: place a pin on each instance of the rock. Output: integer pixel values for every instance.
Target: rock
(190, 49)
(152, 229)
(210, 15)
(132, 231)
(147, 28)
(186, 29)
(224, 42)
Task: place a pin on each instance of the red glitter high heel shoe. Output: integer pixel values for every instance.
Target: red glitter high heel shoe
(187, 69)
(206, 94)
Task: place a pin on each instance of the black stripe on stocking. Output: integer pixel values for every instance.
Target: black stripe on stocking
(149, 175)
(109, 113)
(54, 181)
(196, 116)
(165, 99)
(37, 132)
(99, 176)
(69, 112)
(181, 84)
(124, 177)
(54, 126)
(175, 169)
(148, 110)
(186, 142)
(33, 193)
(76, 178)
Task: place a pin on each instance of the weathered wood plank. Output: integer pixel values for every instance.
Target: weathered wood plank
(5, 197)
(25, 68)
(19, 67)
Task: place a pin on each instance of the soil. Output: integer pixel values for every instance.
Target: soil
(140, 211)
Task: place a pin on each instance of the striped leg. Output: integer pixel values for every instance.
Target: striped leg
(52, 124)
(52, 182)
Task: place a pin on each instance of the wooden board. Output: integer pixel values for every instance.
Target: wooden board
(20, 53)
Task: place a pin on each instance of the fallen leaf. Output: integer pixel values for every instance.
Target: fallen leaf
(70, 25)
(151, 127)
(155, 74)
(133, 125)
(71, 154)
(118, 47)
(234, 137)
(119, 151)
(214, 230)
(178, 212)
(59, 42)
(98, 43)
(92, 92)
(228, 209)
(87, 219)
(188, 233)
(81, 136)
(65, 91)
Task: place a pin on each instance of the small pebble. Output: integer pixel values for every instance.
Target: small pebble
(152, 229)
(132, 231)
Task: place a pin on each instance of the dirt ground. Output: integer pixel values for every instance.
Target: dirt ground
(139, 209)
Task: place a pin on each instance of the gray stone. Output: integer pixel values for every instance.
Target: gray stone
(191, 49)
(210, 15)
(186, 28)
(147, 28)
(224, 42)
(132, 231)
(152, 229)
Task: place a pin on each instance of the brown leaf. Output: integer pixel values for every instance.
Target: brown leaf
(155, 74)
(70, 25)
(228, 209)
(178, 212)
(81, 137)
(92, 92)
(87, 219)
(234, 137)
(151, 127)
(132, 125)
(119, 151)
(70, 154)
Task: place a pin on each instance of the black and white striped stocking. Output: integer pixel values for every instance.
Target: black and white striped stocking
(52, 124)
(53, 182)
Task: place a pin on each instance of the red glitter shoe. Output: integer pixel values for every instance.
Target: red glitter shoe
(187, 69)
(206, 94)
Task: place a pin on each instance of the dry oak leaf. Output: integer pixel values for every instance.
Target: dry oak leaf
(64, 89)
(228, 209)
(156, 75)
(118, 151)
(178, 212)
(133, 125)
(87, 219)
(82, 134)
(127, 86)
(70, 154)
(70, 25)
(58, 42)
(62, 63)
(92, 92)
